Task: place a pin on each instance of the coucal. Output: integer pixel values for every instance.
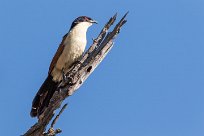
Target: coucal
(68, 52)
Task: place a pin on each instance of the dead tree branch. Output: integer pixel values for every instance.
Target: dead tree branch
(77, 75)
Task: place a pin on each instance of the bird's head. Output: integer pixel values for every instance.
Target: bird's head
(83, 21)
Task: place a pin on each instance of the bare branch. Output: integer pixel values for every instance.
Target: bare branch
(77, 75)
(57, 117)
(51, 131)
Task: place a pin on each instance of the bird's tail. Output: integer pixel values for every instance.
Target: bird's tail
(43, 96)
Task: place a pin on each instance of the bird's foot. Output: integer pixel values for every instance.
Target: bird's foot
(67, 78)
(64, 77)
(77, 62)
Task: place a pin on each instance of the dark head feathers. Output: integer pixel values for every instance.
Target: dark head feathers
(82, 19)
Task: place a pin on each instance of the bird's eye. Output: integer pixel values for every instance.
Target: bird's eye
(86, 19)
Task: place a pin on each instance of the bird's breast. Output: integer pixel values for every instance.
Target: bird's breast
(74, 47)
(73, 50)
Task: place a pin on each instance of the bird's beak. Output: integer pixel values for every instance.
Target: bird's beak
(94, 21)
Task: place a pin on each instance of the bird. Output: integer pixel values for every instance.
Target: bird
(69, 51)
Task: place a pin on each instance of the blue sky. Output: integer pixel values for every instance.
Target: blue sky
(150, 84)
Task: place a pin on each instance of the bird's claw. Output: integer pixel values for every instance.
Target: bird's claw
(64, 77)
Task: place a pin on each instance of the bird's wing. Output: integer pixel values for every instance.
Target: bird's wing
(57, 54)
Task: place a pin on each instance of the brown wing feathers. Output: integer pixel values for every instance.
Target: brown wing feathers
(57, 55)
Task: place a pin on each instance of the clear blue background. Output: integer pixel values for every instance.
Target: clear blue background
(150, 84)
